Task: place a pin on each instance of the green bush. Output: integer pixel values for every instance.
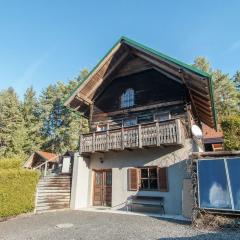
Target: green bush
(231, 130)
(17, 190)
(10, 163)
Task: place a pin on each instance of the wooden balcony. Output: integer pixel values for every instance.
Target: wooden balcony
(171, 132)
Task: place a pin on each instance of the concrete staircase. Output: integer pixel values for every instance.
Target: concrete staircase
(53, 193)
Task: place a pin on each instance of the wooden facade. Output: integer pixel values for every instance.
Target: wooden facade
(154, 93)
(158, 85)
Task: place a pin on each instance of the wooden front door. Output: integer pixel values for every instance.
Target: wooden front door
(102, 195)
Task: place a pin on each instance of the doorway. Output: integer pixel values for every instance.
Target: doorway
(102, 187)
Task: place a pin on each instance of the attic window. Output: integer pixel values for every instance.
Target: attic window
(127, 98)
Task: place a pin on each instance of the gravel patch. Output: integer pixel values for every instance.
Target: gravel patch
(102, 226)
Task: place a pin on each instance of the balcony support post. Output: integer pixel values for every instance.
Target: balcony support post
(139, 136)
(157, 134)
(107, 140)
(178, 131)
(122, 137)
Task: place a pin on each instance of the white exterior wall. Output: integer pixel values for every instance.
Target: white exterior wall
(80, 182)
(172, 157)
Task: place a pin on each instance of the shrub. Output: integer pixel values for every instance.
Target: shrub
(10, 163)
(231, 129)
(17, 189)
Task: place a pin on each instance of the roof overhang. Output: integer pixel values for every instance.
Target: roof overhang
(198, 83)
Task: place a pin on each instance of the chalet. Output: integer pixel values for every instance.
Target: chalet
(140, 105)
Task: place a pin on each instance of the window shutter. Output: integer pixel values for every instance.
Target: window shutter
(132, 179)
(162, 179)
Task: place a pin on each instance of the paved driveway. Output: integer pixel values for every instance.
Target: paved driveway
(91, 225)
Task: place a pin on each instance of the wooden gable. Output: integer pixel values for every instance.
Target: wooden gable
(128, 57)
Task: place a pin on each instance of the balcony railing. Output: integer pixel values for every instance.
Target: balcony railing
(171, 132)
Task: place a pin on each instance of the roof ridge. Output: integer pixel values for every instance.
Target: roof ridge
(166, 57)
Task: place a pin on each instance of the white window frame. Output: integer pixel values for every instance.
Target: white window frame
(127, 98)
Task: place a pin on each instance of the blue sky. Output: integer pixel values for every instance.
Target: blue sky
(42, 42)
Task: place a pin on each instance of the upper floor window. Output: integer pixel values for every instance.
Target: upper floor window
(162, 116)
(127, 98)
(129, 122)
(102, 127)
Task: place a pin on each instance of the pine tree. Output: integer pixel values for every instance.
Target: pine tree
(31, 115)
(203, 64)
(12, 134)
(61, 126)
(236, 80)
(40, 124)
(225, 93)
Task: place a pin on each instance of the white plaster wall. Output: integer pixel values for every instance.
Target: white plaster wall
(80, 182)
(172, 157)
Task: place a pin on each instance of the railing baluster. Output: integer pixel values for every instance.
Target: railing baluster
(157, 134)
(93, 141)
(122, 137)
(107, 140)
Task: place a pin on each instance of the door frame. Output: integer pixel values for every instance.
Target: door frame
(103, 179)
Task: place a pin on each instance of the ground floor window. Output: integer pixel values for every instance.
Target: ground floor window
(148, 179)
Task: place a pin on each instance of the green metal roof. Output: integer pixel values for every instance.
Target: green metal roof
(163, 57)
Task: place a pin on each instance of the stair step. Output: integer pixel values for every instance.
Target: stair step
(44, 205)
(43, 201)
(51, 194)
(50, 197)
(53, 188)
(55, 184)
(55, 177)
(52, 207)
(54, 180)
(59, 196)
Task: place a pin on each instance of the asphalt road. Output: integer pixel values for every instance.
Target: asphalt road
(76, 225)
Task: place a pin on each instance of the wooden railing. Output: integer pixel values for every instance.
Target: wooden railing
(171, 132)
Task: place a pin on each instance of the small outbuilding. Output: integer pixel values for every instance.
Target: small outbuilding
(39, 157)
(212, 138)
